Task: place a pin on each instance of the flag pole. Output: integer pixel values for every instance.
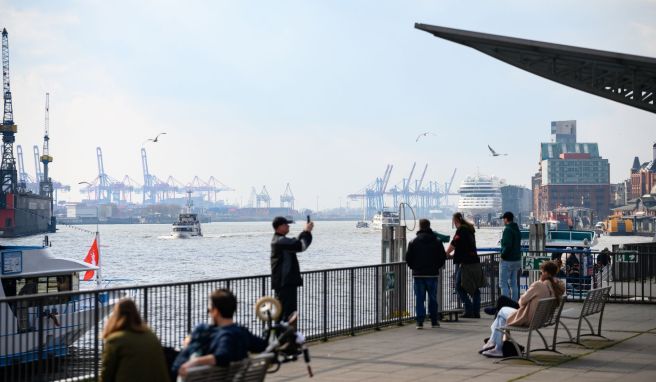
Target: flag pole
(99, 273)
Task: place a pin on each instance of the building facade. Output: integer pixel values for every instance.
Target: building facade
(516, 199)
(570, 174)
(643, 176)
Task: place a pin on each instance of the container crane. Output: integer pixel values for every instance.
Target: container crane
(287, 198)
(8, 167)
(263, 198)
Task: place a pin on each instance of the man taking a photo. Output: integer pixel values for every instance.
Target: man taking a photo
(285, 271)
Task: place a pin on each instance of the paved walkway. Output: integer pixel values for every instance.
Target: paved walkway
(450, 354)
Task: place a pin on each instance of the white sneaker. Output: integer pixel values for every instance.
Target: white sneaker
(486, 346)
(493, 353)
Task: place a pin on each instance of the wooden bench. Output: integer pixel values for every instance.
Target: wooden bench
(594, 303)
(251, 369)
(545, 316)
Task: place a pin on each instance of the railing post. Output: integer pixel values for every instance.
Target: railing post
(145, 304)
(399, 291)
(96, 335)
(377, 287)
(352, 281)
(189, 313)
(324, 275)
(40, 314)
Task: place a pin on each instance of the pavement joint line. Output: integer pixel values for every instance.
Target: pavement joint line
(575, 357)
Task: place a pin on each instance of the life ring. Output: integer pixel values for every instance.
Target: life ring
(268, 307)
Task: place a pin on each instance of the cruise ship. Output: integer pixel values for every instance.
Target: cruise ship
(480, 195)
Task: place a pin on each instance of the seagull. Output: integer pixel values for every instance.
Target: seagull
(423, 135)
(494, 153)
(154, 140)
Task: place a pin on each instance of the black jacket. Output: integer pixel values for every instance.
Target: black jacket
(285, 270)
(425, 254)
(464, 243)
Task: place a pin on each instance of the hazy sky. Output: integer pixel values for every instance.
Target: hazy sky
(319, 94)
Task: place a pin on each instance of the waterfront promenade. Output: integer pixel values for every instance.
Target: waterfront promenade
(449, 353)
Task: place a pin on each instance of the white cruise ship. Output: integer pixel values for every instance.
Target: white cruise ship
(480, 195)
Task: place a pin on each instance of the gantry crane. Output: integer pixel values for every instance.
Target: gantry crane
(287, 198)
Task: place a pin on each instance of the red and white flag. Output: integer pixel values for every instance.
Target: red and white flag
(92, 258)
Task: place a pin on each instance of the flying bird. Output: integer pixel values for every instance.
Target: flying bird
(154, 140)
(494, 153)
(423, 135)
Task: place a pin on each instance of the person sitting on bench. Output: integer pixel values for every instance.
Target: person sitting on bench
(546, 287)
(220, 343)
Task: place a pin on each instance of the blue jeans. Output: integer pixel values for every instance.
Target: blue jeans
(496, 336)
(473, 305)
(425, 285)
(508, 278)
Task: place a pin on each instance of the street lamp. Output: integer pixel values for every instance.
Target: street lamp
(97, 211)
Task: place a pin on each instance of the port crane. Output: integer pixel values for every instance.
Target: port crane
(263, 198)
(287, 198)
(8, 175)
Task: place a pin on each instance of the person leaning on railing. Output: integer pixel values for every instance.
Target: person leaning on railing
(547, 286)
(220, 343)
(132, 351)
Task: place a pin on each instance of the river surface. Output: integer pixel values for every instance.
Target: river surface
(146, 253)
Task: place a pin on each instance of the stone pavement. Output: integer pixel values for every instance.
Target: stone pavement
(450, 353)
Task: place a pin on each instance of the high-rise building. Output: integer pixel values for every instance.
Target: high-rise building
(571, 174)
(563, 131)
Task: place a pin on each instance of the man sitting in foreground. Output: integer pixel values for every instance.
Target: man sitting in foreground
(221, 343)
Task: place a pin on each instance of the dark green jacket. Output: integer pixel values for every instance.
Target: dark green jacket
(131, 356)
(511, 243)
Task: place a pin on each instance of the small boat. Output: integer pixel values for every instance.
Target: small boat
(362, 224)
(385, 218)
(187, 225)
(34, 270)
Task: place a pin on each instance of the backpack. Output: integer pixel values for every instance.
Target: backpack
(508, 349)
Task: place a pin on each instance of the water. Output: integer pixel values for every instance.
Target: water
(146, 254)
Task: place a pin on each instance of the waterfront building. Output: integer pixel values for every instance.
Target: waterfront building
(516, 199)
(643, 176)
(571, 174)
(619, 193)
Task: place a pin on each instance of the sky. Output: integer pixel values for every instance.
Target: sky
(320, 94)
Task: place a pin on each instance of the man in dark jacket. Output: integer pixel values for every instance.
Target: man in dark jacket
(511, 258)
(285, 271)
(222, 342)
(425, 257)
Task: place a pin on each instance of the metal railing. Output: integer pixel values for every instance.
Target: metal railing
(59, 336)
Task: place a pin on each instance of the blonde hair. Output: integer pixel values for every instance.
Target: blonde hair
(124, 317)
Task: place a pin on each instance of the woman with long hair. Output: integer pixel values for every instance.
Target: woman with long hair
(547, 286)
(132, 352)
(469, 274)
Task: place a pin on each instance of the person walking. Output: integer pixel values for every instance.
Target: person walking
(132, 352)
(285, 271)
(511, 258)
(425, 256)
(469, 274)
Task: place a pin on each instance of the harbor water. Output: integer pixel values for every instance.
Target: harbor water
(146, 253)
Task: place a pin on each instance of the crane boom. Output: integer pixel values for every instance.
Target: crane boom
(421, 180)
(448, 189)
(8, 167)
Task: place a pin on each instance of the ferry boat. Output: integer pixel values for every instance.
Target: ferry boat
(564, 238)
(479, 196)
(385, 218)
(187, 225)
(27, 325)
